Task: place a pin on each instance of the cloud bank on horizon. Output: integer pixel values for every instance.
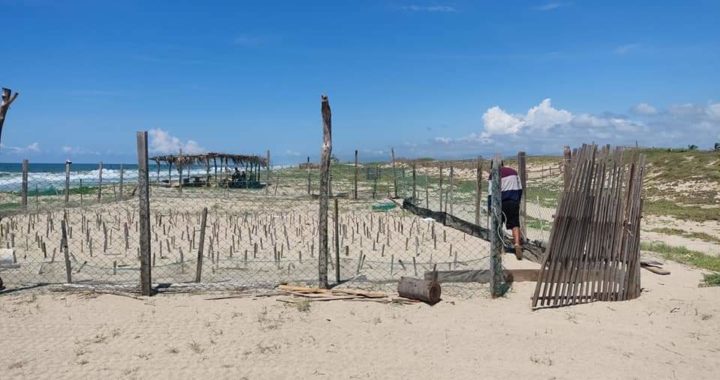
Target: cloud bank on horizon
(544, 128)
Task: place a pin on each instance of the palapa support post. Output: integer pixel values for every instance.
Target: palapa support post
(324, 191)
(478, 190)
(498, 286)
(337, 242)
(67, 182)
(522, 172)
(355, 192)
(7, 99)
(201, 246)
(24, 188)
(144, 214)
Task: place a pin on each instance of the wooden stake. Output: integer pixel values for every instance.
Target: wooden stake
(201, 246)
(24, 188)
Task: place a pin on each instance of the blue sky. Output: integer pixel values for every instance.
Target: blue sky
(443, 79)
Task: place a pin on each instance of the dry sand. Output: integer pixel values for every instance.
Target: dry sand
(671, 332)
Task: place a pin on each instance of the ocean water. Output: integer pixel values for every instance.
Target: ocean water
(52, 176)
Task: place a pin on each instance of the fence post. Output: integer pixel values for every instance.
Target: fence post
(122, 174)
(267, 172)
(392, 153)
(522, 172)
(337, 242)
(100, 170)
(144, 213)
(440, 189)
(67, 181)
(308, 173)
(498, 285)
(567, 157)
(324, 191)
(24, 188)
(450, 191)
(201, 246)
(356, 175)
(478, 190)
(66, 252)
(414, 179)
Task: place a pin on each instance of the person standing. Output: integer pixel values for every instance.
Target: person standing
(511, 194)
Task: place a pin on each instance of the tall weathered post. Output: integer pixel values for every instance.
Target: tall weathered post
(522, 172)
(498, 285)
(392, 152)
(100, 170)
(267, 172)
(122, 182)
(144, 214)
(336, 221)
(67, 181)
(478, 190)
(308, 175)
(567, 158)
(356, 176)
(201, 246)
(24, 188)
(324, 191)
(414, 186)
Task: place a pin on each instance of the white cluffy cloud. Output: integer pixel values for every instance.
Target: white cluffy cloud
(32, 148)
(644, 109)
(542, 117)
(162, 142)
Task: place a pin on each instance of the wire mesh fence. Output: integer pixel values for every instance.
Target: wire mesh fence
(261, 224)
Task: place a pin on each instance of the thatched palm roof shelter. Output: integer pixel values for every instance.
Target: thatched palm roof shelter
(250, 163)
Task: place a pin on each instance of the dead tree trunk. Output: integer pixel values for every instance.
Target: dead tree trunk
(7, 99)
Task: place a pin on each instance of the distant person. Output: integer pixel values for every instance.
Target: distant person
(243, 176)
(511, 190)
(236, 175)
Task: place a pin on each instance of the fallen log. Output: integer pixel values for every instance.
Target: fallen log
(427, 291)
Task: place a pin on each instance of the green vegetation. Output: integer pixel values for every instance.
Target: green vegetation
(538, 224)
(683, 255)
(694, 235)
(712, 279)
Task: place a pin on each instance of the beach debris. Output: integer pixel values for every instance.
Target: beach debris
(654, 266)
(427, 291)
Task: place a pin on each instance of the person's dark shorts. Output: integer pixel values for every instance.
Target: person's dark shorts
(511, 214)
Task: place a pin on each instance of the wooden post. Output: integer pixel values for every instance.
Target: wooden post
(337, 242)
(450, 191)
(308, 174)
(144, 214)
(567, 158)
(100, 170)
(478, 191)
(441, 190)
(24, 189)
(324, 191)
(497, 279)
(201, 246)
(122, 174)
(66, 252)
(392, 152)
(414, 179)
(356, 175)
(267, 172)
(522, 172)
(7, 99)
(67, 181)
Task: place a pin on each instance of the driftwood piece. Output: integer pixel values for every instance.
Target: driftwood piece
(419, 289)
